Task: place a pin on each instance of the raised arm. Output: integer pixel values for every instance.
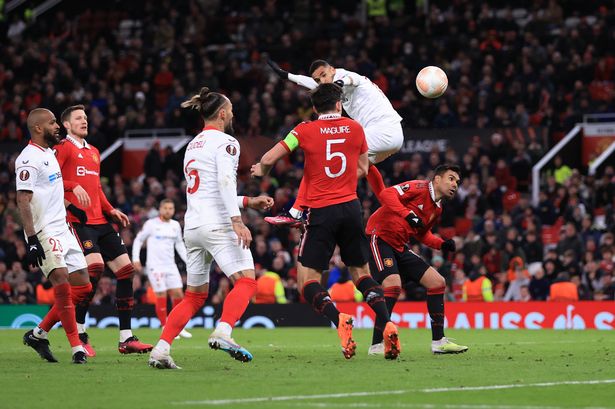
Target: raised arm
(304, 81)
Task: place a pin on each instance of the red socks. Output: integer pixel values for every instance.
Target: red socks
(176, 301)
(180, 315)
(161, 309)
(237, 300)
(375, 181)
(66, 311)
(78, 293)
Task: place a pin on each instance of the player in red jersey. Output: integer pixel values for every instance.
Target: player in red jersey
(335, 157)
(411, 209)
(80, 164)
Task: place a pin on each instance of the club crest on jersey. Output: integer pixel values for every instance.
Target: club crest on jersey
(24, 175)
(88, 244)
(95, 158)
(388, 262)
(231, 150)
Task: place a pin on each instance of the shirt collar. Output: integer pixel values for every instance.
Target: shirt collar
(433, 195)
(76, 142)
(329, 116)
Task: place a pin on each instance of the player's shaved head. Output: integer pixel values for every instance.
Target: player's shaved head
(38, 116)
(316, 64)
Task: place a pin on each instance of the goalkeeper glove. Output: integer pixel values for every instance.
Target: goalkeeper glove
(448, 245)
(414, 221)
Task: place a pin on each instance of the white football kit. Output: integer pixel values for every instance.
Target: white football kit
(366, 103)
(210, 169)
(37, 170)
(162, 238)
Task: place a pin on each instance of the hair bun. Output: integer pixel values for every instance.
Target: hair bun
(204, 93)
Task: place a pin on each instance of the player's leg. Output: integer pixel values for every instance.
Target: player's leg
(436, 285)
(158, 283)
(292, 218)
(174, 285)
(198, 266)
(237, 264)
(114, 252)
(354, 251)
(384, 269)
(88, 241)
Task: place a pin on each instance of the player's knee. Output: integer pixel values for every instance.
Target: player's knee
(126, 272)
(434, 280)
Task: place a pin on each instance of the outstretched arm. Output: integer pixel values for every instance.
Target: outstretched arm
(302, 80)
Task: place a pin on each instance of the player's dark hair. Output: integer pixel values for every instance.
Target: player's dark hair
(316, 64)
(207, 102)
(442, 169)
(325, 96)
(165, 201)
(66, 113)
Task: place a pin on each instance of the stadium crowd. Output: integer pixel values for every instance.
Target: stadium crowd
(542, 65)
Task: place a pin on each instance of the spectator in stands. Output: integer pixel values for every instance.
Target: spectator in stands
(539, 286)
(569, 240)
(563, 289)
(477, 288)
(514, 293)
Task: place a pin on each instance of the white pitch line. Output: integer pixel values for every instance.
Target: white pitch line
(394, 392)
(516, 385)
(286, 398)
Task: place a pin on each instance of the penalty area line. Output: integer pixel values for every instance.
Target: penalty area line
(517, 385)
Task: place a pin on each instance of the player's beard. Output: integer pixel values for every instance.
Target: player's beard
(52, 139)
(228, 128)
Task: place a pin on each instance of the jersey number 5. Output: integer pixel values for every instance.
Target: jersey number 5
(193, 178)
(331, 155)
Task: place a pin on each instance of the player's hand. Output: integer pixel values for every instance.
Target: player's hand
(35, 254)
(78, 213)
(448, 245)
(256, 171)
(244, 237)
(82, 197)
(260, 202)
(138, 267)
(339, 83)
(276, 68)
(414, 221)
(119, 217)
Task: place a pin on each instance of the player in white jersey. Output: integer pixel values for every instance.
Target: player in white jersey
(213, 229)
(364, 102)
(51, 246)
(163, 237)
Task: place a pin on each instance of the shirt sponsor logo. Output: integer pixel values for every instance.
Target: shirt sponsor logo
(231, 150)
(55, 176)
(333, 130)
(82, 171)
(24, 175)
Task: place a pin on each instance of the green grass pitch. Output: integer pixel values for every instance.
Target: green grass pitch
(304, 368)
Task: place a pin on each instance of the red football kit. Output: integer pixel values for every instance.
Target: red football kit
(80, 165)
(332, 146)
(389, 221)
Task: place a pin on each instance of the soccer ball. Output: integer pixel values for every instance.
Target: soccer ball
(431, 82)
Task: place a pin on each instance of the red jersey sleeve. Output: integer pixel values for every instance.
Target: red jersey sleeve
(431, 240)
(104, 203)
(62, 151)
(394, 197)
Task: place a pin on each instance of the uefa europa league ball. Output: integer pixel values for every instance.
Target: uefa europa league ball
(431, 82)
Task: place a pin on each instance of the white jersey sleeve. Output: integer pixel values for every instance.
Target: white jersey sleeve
(140, 239)
(37, 171)
(304, 81)
(180, 246)
(227, 162)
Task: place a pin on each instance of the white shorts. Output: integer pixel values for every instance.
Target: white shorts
(163, 278)
(62, 250)
(383, 140)
(208, 243)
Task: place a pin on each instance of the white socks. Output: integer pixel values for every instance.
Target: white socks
(295, 213)
(163, 347)
(125, 334)
(80, 328)
(77, 349)
(224, 329)
(39, 332)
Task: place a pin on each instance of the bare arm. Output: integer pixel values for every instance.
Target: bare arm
(24, 197)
